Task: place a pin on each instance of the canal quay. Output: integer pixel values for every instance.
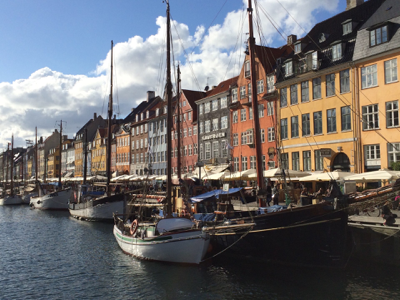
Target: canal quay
(49, 255)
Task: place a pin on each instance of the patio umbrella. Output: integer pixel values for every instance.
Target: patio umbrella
(327, 176)
(375, 176)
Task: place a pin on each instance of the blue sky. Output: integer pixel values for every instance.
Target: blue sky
(55, 54)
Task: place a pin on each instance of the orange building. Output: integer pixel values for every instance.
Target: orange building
(242, 123)
(122, 155)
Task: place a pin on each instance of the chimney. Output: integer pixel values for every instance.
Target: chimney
(353, 3)
(94, 116)
(291, 39)
(150, 95)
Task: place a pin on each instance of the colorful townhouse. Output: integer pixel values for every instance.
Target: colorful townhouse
(376, 57)
(242, 121)
(214, 123)
(122, 150)
(317, 108)
(185, 112)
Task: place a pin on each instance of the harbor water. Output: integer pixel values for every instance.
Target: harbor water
(49, 255)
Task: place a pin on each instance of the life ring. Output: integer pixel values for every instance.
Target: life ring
(134, 227)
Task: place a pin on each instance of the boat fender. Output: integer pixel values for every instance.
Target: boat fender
(134, 227)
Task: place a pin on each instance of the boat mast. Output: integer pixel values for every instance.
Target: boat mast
(59, 171)
(257, 134)
(110, 112)
(12, 166)
(36, 158)
(178, 122)
(85, 159)
(169, 118)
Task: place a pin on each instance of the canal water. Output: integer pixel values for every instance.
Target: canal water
(49, 255)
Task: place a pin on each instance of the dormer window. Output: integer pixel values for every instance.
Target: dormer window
(147, 114)
(157, 112)
(378, 36)
(288, 68)
(137, 118)
(314, 59)
(347, 27)
(337, 51)
(247, 68)
(297, 48)
(165, 109)
(141, 116)
(322, 37)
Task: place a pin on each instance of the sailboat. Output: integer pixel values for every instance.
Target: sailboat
(57, 200)
(311, 235)
(169, 239)
(90, 205)
(11, 199)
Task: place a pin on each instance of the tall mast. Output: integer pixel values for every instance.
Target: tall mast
(110, 112)
(257, 134)
(36, 157)
(178, 122)
(169, 118)
(12, 166)
(59, 171)
(85, 158)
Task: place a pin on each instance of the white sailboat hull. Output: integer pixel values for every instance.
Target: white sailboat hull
(181, 247)
(11, 200)
(26, 199)
(53, 201)
(100, 212)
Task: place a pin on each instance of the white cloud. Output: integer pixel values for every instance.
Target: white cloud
(209, 56)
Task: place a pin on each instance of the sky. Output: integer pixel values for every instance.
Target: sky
(55, 55)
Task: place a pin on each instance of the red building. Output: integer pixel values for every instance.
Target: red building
(188, 131)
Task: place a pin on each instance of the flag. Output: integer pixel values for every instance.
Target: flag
(228, 146)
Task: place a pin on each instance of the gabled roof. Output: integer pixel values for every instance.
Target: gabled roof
(221, 87)
(387, 11)
(268, 56)
(192, 96)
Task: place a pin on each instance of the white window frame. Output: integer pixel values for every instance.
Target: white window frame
(369, 76)
(391, 71)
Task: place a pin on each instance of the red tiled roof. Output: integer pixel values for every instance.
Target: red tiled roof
(222, 86)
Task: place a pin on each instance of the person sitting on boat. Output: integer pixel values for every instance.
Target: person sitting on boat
(387, 214)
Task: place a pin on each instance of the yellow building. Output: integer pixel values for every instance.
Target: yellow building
(99, 153)
(53, 163)
(376, 57)
(319, 112)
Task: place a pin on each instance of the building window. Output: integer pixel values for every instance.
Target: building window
(234, 95)
(247, 68)
(242, 92)
(378, 36)
(243, 114)
(262, 133)
(189, 114)
(305, 124)
(207, 150)
(243, 140)
(224, 148)
(304, 91)
(235, 117)
(316, 88)
(216, 149)
(207, 126)
(224, 122)
(294, 126)
(347, 28)
(319, 161)
(283, 97)
(337, 51)
(270, 83)
(314, 60)
(288, 68)
(295, 161)
(293, 94)
(318, 122)
(372, 155)
(195, 130)
(214, 124)
(297, 48)
(201, 128)
(393, 153)
(260, 86)
(284, 161)
(263, 163)
(392, 114)
(195, 149)
(206, 107)
(215, 105)
(344, 81)
(370, 117)
(235, 139)
(201, 108)
(306, 160)
(346, 118)
(224, 102)
(369, 76)
(271, 134)
(270, 108)
(331, 120)
(260, 110)
(391, 70)
(249, 91)
(244, 163)
(250, 113)
(190, 131)
(253, 162)
(284, 128)
(236, 164)
(330, 85)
